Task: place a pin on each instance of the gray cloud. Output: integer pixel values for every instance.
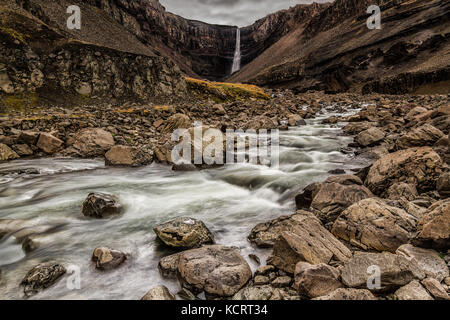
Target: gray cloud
(229, 12)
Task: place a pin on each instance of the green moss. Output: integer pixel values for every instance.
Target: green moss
(14, 34)
(17, 103)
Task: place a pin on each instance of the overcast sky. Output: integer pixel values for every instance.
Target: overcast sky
(229, 12)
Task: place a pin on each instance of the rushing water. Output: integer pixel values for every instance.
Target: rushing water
(237, 53)
(231, 200)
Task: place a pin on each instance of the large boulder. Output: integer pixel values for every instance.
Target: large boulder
(425, 135)
(101, 205)
(128, 156)
(307, 241)
(418, 166)
(371, 224)
(6, 153)
(217, 270)
(370, 137)
(28, 137)
(434, 226)
(184, 232)
(90, 142)
(348, 294)
(49, 144)
(107, 259)
(158, 293)
(316, 280)
(41, 277)
(412, 291)
(395, 271)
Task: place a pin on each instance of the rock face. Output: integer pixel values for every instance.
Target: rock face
(41, 277)
(128, 156)
(418, 166)
(371, 224)
(49, 144)
(217, 270)
(412, 291)
(402, 190)
(316, 280)
(107, 259)
(158, 293)
(434, 227)
(184, 232)
(395, 270)
(425, 135)
(348, 294)
(6, 153)
(101, 205)
(91, 142)
(369, 137)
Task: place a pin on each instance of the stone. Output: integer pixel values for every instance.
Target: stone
(296, 120)
(49, 144)
(433, 228)
(443, 185)
(217, 270)
(219, 110)
(371, 224)
(402, 190)
(258, 280)
(84, 89)
(168, 266)
(265, 270)
(356, 127)
(317, 280)
(91, 142)
(128, 156)
(307, 241)
(412, 291)
(6, 153)
(101, 205)
(184, 232)
(370, 137)
(22, 150)
(158, 293)
(5, 83)
(264, 292)
(304, 199)
(28, 137)
(425, 135)
(427, 259)
(435, 288)
(107, 259)
(281, 282)
(418, 166)
(395, 271)
(184, 167)
(41, 277)
(176, 121)
(348, 294)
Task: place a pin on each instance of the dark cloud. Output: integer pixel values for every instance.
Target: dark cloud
(229, 12)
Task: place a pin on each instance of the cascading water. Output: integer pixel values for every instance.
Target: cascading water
(237, 53)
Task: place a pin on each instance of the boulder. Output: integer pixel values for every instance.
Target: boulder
(316, 280)
(90, 142)
(371, 224)
(395, 271)
(425, 135)
(22, 150)
(158, 293)
(6, 153)
(433, 228)
(296, 120)
(307, 241)
(370, 137)
(348, 294)
(176, 121)
(101, 205)
(428, 260)
(402, 190)
(435, 288)
(304, 199)
(217, 270)
(41, 277)
(168, 266)
(49, 144)
(356, 127)
(259, 292)
(127, 156)
(184, 232)
(281, 282)
(28, 137)
(418, 166)
(412, 291)
(107, 259)
(443, 185)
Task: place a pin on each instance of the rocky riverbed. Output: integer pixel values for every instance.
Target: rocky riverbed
(88, 194)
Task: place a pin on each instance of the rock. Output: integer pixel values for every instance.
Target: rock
(348, 294)
(28, 137)
(184, 167)
(316, 280)
(435, 288)
(356, 127)
(281, 282)
(395, 270)
(176, 121)
(84, 89)
(259, 280)
(101, 205)
(433, 229)
(428, 260)
(304, 199)
(107, 259)
(184, 232)
(402, 190)
(22, 150)
(415, 112)
(264, 292)
(425, 135)
(6, 153)
(5, 83)
(418, 166)
(412, 291)
(296, 120)
(217, 270)
(90, 142)
(158, 293)
(41, 277)
(265, 270)
(127, 156)
(372, 224)
(219, 110)
(443, 185)
(307, 241)
(168, 266)
(49, 144)
(369, 137)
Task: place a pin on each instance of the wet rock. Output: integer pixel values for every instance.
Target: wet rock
(369, 137)
(6, 153)
(434, 227)
(107, 259)
(304, 199)
(428, 260)
(41, 277)
(418, 166)
(176, 121)
(412, 291)
(443, 185)
(49, 144)
(90, 142)
(307, 241)
(425, 135)
(348, 294)
(184, 167)
(402, 190)
(395, 270)
(264, 292)
(101, 205)
(184, 232)
(128, 156)
(168, 266)
(158, 293)
(435, 288)
(316, 280)
(217, 270)
(372, 224)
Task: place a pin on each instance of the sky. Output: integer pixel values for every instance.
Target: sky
(229, 12)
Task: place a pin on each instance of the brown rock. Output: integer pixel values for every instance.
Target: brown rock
(443, 185)
(28, 137)
(91, 142)
(41, 277)
(176, 121)
(6, 153)
(49, 144)
(169, 265)
(402, 190)
(348, 294)
(425, 135)
(435, 288)
(158, 293)
(100, 205)
(127, 156)
(412, 291)
(434, 227)
(369, 137)
(316, 280)
(107, 259)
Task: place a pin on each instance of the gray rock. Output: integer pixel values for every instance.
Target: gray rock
(184, 232)
(316, 280)
(158, 293)
(412, 291)
(348, 294)
(107, 259)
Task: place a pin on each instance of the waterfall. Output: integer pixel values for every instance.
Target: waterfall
(237, 53)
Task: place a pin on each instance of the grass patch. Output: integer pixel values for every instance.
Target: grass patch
(17, 103)
(14, 34)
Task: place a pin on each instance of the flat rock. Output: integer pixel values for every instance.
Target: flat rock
(316, 280)
(184, 232)
(412, 291)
